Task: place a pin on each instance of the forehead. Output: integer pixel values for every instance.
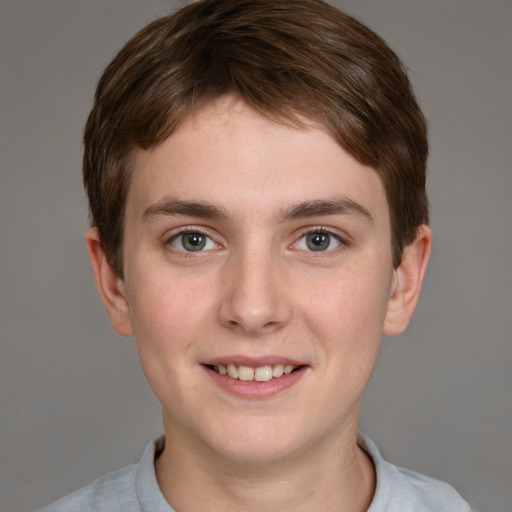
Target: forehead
(232, 156)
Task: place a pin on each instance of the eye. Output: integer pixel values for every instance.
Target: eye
(318, 241)
(192, 241)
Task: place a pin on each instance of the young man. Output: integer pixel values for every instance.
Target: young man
(256, 179)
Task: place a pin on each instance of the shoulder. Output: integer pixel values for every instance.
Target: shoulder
(422, 493)
(131, 489)
(113, 492)
(402, 490)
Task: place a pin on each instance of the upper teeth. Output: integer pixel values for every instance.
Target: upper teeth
(260, 373)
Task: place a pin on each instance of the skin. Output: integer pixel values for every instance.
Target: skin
(258, 291)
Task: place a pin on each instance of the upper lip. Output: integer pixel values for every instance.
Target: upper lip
(253, 362)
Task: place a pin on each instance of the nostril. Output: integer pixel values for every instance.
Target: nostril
(254, 309)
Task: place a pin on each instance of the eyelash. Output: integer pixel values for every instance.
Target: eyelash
(322, 230)
(305, 233)
(189, 230)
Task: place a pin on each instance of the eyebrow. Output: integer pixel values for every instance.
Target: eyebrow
(171, 206)
(319, 207)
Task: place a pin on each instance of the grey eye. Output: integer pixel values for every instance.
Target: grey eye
(193, 242)
(318, 241)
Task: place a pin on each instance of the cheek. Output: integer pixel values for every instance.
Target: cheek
(166, 325)
(161, 321)
(346, 313)
(348, 300)
(167, 303)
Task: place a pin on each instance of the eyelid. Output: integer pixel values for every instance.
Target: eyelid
(177, 232)
(327, 230)
(344, 240)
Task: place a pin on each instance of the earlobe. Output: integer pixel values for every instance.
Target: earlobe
(110, 285)
(407, 281)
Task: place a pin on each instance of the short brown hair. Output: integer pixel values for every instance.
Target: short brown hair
(286, 59)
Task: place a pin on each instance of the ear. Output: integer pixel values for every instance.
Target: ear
(110, 285)
(407, 281)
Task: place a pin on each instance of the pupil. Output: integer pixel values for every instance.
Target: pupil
(318, 241)
(194, 241)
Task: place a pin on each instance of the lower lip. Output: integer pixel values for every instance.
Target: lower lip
(253, 389)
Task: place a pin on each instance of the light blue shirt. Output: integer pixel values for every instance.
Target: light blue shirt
(135, 489)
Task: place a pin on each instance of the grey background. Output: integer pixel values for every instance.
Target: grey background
(74, 403)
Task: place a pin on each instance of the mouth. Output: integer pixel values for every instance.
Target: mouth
(263, 373)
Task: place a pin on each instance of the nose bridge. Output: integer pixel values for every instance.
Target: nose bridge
(254, 298)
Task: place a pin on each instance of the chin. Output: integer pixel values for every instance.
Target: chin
(259, 443)
(256, 454)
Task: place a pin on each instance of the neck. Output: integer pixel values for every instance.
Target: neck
(325, 477)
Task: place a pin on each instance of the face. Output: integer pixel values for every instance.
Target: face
(260, 251)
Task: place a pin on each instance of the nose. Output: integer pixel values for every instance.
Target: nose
(254, 299)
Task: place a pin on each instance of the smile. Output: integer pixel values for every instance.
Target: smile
(258, 374)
